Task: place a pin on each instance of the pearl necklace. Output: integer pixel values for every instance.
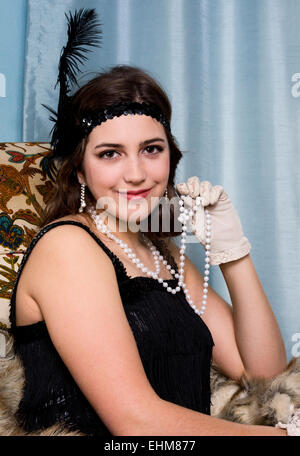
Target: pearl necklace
(183, 218)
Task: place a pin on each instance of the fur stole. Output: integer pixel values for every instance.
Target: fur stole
(257, 401)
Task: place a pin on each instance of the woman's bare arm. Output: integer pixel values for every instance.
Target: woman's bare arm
(246, 335)
(257, 332)
(78, 295)
(166, 418)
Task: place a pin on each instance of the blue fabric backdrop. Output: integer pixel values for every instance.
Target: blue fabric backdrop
(231, 69)
(12, 48)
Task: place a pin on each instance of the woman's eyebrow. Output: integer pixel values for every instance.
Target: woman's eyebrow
(143, 143)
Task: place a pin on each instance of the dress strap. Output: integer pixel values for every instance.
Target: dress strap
(118, 265)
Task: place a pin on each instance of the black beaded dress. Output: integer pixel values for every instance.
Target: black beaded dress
(174, 344)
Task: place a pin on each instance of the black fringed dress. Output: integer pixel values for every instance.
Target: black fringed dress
(174, 344)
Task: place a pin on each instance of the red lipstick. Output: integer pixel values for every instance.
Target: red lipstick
(136, 193)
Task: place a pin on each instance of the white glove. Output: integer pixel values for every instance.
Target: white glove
(293, 425)
(228, 242)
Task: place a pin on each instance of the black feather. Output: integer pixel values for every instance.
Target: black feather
(83, 31)
(53, 118)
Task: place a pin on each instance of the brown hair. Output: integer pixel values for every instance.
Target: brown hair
(120, 83)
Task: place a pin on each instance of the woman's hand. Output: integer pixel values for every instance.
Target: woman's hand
(228, 242)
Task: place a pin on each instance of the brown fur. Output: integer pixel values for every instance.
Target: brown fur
(257, 401)
(11, 390)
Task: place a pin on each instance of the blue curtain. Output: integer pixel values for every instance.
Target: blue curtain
(231, 69)
(12, 48)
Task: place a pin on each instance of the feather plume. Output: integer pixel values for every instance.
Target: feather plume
(83, 31)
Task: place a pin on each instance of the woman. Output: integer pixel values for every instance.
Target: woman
(106, 347)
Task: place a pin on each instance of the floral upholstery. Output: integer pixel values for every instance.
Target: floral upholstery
(27, 179)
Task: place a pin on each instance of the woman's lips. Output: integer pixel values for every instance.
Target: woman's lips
(136, 196)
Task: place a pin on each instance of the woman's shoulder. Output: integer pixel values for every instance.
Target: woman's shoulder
(67, 245)
(67, 227)
(86, 230)
(70, 218)
(58, 235)
(55, 245)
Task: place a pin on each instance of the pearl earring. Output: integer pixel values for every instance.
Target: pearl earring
(166, 193)
(82, 200)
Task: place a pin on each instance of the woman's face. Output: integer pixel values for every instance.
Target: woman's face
(123, 154)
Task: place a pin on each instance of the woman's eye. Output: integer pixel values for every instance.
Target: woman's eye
(159, 148)
(106, 153)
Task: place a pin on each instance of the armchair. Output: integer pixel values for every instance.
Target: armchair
(26, 182)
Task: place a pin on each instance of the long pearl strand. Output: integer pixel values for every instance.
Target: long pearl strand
(183, 218)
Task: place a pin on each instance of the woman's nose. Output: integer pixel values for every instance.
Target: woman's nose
(135, 171)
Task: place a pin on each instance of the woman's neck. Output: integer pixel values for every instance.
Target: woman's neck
(134, 239)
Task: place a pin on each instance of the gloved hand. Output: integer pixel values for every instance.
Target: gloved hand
(228, 242)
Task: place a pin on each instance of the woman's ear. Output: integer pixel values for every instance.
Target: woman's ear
(80, 177)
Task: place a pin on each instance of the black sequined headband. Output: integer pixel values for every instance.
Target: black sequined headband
(90, 121)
